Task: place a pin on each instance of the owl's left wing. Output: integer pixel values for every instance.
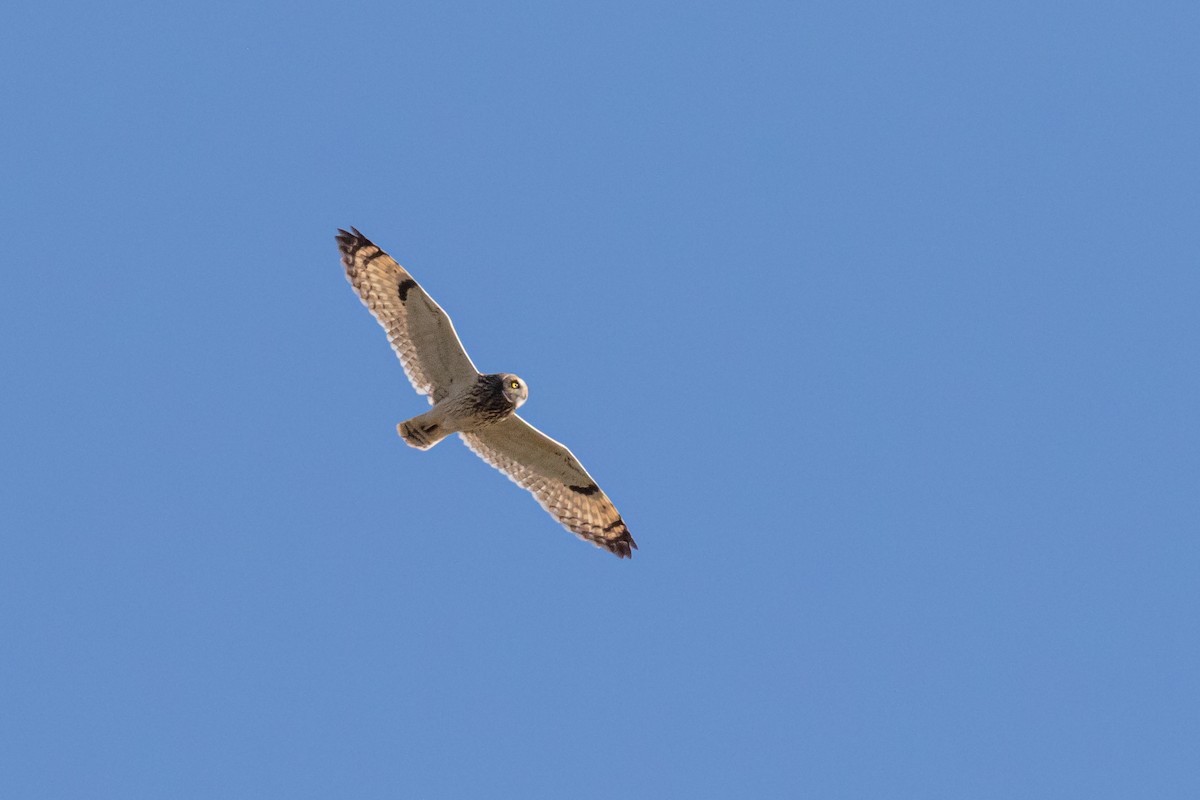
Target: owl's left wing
(556, 479)
(420, 332)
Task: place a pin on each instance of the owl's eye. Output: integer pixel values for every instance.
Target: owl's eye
(515, 385)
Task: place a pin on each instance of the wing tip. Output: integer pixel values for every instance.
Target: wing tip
(351, 241)
(622, 546)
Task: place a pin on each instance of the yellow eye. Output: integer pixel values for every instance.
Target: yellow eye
(515, 385)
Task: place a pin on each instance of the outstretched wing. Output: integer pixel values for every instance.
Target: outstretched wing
(555, 477)
(420, 332)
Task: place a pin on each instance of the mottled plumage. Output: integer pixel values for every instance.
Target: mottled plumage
(481, 409)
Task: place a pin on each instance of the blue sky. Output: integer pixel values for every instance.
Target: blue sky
(877, 322)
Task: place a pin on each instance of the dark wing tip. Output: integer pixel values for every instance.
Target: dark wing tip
(622, 546)
(350, 242)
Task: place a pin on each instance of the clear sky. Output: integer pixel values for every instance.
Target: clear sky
(878, 322)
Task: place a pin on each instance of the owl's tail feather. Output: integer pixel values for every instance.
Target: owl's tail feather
(421, 434)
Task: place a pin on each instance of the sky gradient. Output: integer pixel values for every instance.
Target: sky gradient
(878, 323)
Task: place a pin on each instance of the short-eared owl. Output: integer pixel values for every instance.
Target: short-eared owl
(481, 409)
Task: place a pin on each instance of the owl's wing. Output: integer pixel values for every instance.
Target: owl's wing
(420, 332)
(555, 478)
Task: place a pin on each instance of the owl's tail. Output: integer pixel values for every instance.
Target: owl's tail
(421, 433)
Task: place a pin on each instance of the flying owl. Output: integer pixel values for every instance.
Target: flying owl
(481, 409)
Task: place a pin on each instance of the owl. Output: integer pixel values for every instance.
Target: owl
(481, 409)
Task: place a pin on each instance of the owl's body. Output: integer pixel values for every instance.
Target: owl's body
(481, 409)
(472, 407)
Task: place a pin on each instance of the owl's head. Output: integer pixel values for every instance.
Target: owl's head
(515, 390)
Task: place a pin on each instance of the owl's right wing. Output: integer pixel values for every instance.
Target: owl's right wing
(557, 480)
(420, 332)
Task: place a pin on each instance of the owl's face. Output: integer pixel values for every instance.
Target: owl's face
(514, 389)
